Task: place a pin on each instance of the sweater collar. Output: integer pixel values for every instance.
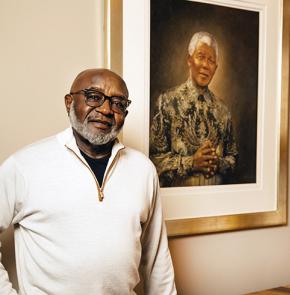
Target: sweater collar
(66, 138)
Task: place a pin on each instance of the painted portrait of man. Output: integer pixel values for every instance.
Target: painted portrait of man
(195, 138)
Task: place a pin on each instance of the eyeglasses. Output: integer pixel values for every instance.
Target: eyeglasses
(94, 98)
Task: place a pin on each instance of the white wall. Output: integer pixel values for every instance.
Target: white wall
(43, 45)
(232, 263)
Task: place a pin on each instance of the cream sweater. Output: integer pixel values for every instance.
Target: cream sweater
(68, 242)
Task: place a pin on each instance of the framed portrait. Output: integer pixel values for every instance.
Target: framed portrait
(246, 125)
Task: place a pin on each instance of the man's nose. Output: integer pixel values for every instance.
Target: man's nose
(205, 63)
(105, 108)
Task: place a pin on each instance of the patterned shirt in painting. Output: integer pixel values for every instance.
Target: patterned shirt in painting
(183, 121)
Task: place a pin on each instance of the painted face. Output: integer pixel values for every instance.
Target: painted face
(98, 125)
(202, 64)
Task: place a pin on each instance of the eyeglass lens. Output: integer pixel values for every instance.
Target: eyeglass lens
(96, 99)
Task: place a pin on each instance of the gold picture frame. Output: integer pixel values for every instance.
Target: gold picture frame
(124, 57)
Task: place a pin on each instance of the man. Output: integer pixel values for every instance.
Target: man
(84, 223)
(192, 140)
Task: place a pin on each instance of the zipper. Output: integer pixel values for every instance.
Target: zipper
(100, 189)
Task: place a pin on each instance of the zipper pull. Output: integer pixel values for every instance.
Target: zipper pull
(101, 195)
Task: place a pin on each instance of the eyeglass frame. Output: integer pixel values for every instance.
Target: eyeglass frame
(85, 93)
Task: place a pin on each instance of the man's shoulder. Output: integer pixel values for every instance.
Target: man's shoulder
(133, 154)
(219, 103)
(175, 91)
(41, 149)
(137, 158)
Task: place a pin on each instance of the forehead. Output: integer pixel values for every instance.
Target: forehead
(107, 82)
(204, 48)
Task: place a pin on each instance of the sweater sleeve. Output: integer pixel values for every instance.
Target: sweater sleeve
(11, 184)
(158, 273)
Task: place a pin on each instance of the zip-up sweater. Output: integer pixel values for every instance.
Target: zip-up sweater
(73, 237)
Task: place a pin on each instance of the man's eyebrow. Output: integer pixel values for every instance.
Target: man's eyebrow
(94, 88)
(124, 96)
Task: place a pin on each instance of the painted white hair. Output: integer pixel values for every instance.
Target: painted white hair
(202, 37)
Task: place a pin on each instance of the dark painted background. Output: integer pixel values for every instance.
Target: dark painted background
(173, 22)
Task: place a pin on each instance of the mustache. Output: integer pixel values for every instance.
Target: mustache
(100, 119)
(93, 137)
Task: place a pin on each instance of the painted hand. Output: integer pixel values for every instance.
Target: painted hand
(205, 160)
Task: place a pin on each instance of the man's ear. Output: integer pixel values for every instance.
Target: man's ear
(189, 59)
(68, 99)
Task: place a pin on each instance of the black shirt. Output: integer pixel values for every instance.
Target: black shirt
(98, 166)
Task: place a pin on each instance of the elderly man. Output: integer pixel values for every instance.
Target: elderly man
(192, 141)
(84, 223)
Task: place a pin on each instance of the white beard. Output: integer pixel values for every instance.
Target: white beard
(84, 131)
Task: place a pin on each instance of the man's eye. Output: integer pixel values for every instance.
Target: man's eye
(200, 57)
(94, 97)
(120, 104)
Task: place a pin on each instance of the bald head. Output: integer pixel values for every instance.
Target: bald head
(97, 123)
(102, 78)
